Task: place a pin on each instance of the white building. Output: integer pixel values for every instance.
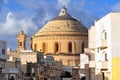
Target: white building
(3, 57)
(6, 72)
(84, 60)
(104, 43)
(3, 54)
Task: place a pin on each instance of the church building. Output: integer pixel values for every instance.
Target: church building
(63, 37)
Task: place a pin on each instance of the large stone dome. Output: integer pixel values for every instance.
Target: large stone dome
(64, 37)
(62, 23)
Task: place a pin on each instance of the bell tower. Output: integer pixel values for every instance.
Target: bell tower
(21, 41)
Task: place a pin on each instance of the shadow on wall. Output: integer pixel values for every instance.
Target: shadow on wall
(83, 78)
(101, 76)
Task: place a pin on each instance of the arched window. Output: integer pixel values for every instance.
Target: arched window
(104, 34)
(35, 47)
(82, 46)
(20, 43)
(104, 56)
(43, 47)
(56, 48)
(70, 47)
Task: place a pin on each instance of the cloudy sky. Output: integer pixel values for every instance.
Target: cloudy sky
(31, 15)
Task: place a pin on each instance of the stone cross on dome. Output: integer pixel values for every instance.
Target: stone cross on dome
(63, 12)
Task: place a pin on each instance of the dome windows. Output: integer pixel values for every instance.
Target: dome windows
(44, 47)
(56, 48)
(70, 47)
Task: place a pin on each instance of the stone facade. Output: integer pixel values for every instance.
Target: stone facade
(21, 41)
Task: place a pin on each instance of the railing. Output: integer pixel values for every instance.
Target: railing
(104, 65)
(102, 43)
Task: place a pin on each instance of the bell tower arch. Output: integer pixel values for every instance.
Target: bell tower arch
(21, 41)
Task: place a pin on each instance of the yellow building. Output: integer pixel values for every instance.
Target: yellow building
(21, 41)
(64, 37)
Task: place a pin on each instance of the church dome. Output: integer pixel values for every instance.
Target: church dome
(64, 22)
(64, 38)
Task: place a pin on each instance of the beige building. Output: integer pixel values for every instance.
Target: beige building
(64, 37)
(21, 41)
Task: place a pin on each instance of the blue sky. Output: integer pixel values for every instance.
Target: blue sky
(31, 15)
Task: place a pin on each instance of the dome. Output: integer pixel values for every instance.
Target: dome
(64, 38)
(64, 22)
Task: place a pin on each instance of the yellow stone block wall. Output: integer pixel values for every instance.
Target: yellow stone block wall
(115, 68)
(68, 59)
(62, 41)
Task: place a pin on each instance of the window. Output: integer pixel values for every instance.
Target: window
(3, 51)
(43, 47)
(98, 50)
(82, 46)
(70, 47)
(35, 47)
(56, 47)
(103, 76)
(20, 43)
(106, 56)
(104, 34)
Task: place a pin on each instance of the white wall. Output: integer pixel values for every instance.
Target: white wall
(115, 19)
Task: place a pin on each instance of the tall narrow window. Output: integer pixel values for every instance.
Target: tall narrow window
(82, 46)
(106, 56)
(70, 47)
(105, 35)
(3, 51)
(56, 47)
(20, 43)
(35, 47)
(98, 50)
(43, 47)
(103, 76)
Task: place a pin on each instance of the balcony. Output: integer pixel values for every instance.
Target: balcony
(4, 56)
(104, 65)
(102, 43)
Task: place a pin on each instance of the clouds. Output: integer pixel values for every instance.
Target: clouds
(63, 3)
(42, 13)
(31, 15)
(12, 26)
